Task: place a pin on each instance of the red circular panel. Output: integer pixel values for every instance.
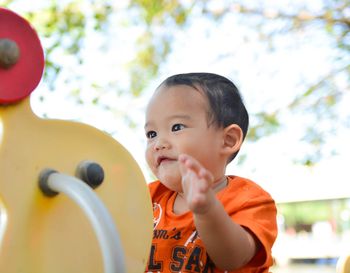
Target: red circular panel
(18, 81)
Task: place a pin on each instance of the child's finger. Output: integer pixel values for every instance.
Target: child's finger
(190, 163)
(206, 175)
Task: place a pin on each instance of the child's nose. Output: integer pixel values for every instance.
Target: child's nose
(162, 143)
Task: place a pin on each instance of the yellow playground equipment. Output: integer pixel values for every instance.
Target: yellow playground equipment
(72, 199)
(343, 264)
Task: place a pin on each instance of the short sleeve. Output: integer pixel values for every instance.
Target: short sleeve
(253, 208)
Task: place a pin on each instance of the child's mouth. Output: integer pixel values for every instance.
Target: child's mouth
(163, 159)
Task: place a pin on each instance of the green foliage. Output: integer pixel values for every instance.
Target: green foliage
(307, 213)
(65, 25)
(266, 124)
(157, 12)
(153, 50)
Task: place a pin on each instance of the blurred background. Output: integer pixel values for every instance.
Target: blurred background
(290, 60)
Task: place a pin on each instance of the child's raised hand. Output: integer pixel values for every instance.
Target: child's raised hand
(196, 184)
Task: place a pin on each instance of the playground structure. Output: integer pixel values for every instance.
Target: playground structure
(72, 199)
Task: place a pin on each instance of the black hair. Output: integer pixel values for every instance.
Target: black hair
(225, 101)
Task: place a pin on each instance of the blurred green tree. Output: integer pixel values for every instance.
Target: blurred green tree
(67, 26)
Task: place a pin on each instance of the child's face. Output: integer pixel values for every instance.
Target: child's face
(177, 123)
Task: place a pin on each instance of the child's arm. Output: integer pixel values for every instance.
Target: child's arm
(229, 245)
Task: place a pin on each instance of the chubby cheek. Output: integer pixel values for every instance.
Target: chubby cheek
(150, 159)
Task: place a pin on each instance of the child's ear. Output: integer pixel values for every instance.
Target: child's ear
(233, 138)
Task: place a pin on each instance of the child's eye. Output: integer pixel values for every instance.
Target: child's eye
(151, 134)
(177, 127)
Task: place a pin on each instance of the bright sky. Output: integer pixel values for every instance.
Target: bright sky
(267, 80)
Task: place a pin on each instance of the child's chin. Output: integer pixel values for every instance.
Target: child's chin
(172, 183)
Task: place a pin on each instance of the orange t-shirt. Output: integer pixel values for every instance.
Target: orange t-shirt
(176, 245)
